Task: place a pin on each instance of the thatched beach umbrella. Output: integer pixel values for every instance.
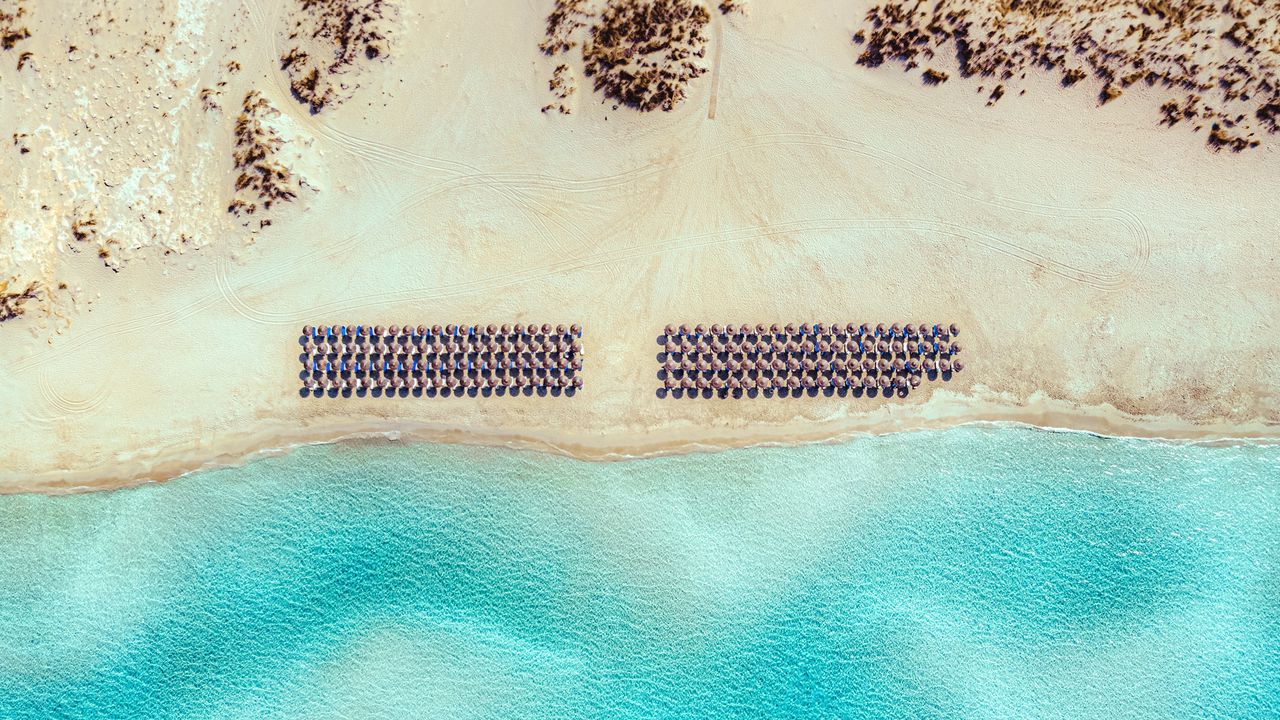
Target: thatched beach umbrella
(684, 329)
(881, 329)
(909, 329)
(944, 365)
(954, 329)
(790, 328)
(955, 348)
(669, 330)
(957, 366)
(717, 329)
(805, 329)
(929, 364)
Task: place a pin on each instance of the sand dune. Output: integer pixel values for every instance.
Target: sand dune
(1108, 274)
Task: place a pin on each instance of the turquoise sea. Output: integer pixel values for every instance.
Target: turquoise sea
(979, 572)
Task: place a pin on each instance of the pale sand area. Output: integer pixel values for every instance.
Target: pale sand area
(1107, 275)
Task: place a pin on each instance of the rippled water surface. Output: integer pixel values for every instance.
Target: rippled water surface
(971, 573)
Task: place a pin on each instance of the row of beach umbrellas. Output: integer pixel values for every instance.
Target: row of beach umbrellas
(853, 347)
(450, 359)
(841, 331)
(434, 348)
(419, 332)
(792, 359)
(439, 384)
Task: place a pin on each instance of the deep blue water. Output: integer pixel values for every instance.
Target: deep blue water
(971, 573)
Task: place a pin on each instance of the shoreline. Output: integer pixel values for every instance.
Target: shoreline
(623, 445)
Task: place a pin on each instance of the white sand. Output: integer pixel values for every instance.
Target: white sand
(1107, 275)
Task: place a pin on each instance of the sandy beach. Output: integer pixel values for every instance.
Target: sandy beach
(1109, 274)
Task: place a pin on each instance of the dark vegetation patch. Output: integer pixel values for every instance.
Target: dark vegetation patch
(330, 41)
(639, 53)
(262, 179)
(1219, 60)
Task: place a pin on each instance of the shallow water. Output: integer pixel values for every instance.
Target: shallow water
(971, 573)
